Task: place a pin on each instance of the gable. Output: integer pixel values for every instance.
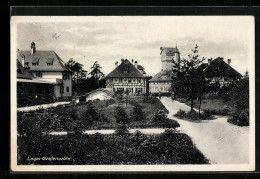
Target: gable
(43, 61)
(219, 68)
(125, 70)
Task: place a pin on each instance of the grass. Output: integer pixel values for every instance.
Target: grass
(59, 119)
(215, 106)
(166, 148)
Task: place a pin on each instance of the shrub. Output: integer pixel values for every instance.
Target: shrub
(193, 115)
(240, 118)
(121, 116)
(180, 114)
(137, 112)
(150, 144)
(138, 137)
(121, 130)
(109, 102)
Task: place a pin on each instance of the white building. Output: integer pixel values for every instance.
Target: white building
(162, 81)
(126, 77)
(48, 66)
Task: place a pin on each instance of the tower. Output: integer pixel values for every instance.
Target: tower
(167, 55)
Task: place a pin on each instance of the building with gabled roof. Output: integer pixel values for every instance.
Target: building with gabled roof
(126, 77)
(48, 67)
(218, 70)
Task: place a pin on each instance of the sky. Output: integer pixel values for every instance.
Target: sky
(109, 39)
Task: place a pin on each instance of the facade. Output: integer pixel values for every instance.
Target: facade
(31, 91)
(219, 71)
(47, 66)
(126, 77)
(162, 81)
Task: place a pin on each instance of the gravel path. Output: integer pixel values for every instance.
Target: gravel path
(33, 108)
(220, 141)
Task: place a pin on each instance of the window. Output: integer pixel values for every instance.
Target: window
(68, 89)
(35, 62)
(65, 76)
(129, 81)
(125, 71)
(139, 81)
(49, 61)
(61, 89)
(39, 74)
(120, 80)
(115, 80)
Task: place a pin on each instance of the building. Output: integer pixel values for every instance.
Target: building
(48, 67)
(31, 91)
(100, 94)
(218, 70)
(126, 77)
(162, 81)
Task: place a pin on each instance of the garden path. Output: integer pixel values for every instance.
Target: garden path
(220, 141)
(32, 108)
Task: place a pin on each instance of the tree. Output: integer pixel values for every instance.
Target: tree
(78, 73)
(96, 72)
(138, 113)
(189, 81)
(121, 116)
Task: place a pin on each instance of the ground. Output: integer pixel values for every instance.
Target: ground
(220, 141)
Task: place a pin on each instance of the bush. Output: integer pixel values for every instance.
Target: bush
(240, 118)
(137, 113)
(121, 116)
(193, 115)
(138, 137)
(122, 131)
(180, 114)
(150, 144)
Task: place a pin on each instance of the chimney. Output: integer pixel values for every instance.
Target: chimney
(229, 61)
(23, 58)
(132, 61)
(136, 63)
(33, 48)
(209, 61)
(116, 64)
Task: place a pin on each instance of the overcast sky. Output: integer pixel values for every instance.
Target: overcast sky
(108, 39)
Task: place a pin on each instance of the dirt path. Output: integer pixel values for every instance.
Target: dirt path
(220, 141)
(32, 108)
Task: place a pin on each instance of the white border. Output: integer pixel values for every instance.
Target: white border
(120, 168)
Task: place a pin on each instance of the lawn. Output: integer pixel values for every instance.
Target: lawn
(102, 116)
(97, 149)
(214, 106)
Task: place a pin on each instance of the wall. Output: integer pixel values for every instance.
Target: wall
(123, 83)
(51, 77)
(167, 61)
(159, 86)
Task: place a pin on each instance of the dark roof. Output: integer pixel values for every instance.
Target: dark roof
(23, 73)
(165, 75)
(42, 57)
(219, 68)
(169, 50)
(125, 70)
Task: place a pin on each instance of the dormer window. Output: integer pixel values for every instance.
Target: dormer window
(49, 61)
(35, 62)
